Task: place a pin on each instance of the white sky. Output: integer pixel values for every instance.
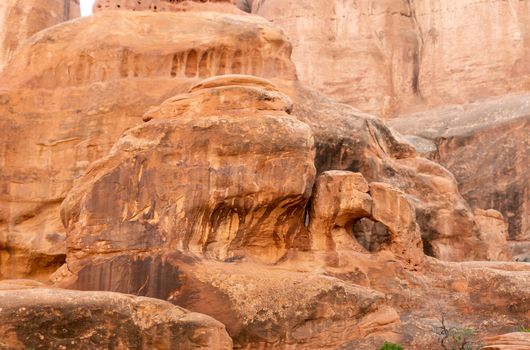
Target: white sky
(86, 7)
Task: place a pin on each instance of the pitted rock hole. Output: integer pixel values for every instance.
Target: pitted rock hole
(370, 234)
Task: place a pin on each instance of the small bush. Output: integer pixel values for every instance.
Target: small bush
(453, 338)
(523, 329)
(390, 346)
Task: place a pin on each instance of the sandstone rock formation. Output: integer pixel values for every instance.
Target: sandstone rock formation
(166, 5)
(21, 19)
(146, 70)
(486, 145)
(342, 199)
(54, 127)
(391, 57)
(146, 45)
(510, 341)
(361, 143)
(42, 318)
(294, 221)
(494, 233)
(139, 223)
(202, 179)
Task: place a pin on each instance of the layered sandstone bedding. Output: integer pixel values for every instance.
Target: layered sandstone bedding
(169, 178)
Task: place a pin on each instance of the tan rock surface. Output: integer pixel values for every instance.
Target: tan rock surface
(390, 57)
(494, 232)
(306, 303)
(339, 200)
(208, 203)
(21, 19)
(50, 136)
(306, 299)
(147, 45)
(91, 116)
(42, 318)
(203, 179)
(347, 139)
(167, 5)
(510, 341)
(486, 145)
(342, 199)
(392, 209)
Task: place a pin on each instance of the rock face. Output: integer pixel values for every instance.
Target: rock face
(77, 85)
(361, 143)
(165, 5)
(146, 45)
(391, 57)
(43, 318)
(494, 232)
(510, 341)
(341, 200)
(64, 124)
(295, 221)
(486, 146)
(138, 222)
(202, 176)
(21, 19)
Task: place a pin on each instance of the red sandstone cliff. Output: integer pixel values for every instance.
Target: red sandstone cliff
(173, 181)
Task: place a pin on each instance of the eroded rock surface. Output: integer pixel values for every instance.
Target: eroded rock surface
(21, 19)
(342, 199)
(347, 139)
(510, 341)
(486, 145)
(494, 233)
(148, 45)
(202, 176)
(166, 5)
(390, 57)
(161, 233)
(63, 111)
(42, 318)
(207, 197)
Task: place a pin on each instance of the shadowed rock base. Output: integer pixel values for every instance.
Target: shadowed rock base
(41, 318)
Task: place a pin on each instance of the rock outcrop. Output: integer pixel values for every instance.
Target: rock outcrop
(494, 233)
(486, 146)
(392, 57)
(347, 139)
(167, 5)
(510, 341)
(21, 19)
(89, 66)
(54, 127)
(42, 318)
(290, 220)
(200, 176)
(144, 45)
(232, 232)
(342, 199)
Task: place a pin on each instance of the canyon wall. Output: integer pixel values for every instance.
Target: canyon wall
(394, 57)
(486, 145)
(21, 19)
(171, 155)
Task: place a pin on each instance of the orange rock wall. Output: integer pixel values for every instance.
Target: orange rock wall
(21, 19)
(145, 5)
(391, 57)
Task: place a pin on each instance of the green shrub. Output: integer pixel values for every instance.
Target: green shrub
(390, 346)
(523, 329)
